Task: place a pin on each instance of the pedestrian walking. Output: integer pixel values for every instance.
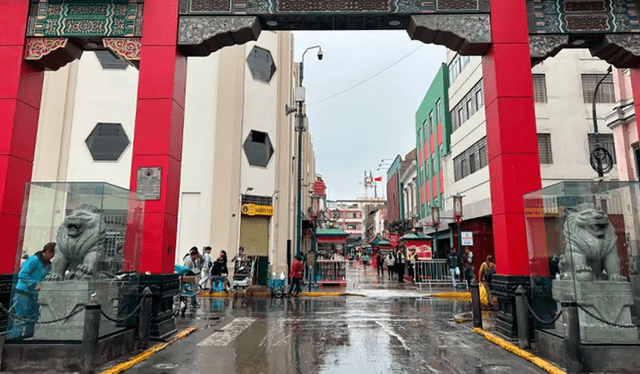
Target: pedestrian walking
(452, 262)
(486, 273)
(380, 263)
(467, 265)
(391, 262)
(365, 262)
(206, 270)
(296, 276)
(25, 298)
(400, 263)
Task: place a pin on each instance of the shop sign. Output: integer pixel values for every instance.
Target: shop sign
(467, 238)
(319, 188)
(257, 210)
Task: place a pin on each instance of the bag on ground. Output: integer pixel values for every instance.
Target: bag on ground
(484, 300)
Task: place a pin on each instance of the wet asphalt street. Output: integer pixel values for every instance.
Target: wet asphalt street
(393, 330)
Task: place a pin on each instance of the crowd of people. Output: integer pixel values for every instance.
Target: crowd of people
(211, 271)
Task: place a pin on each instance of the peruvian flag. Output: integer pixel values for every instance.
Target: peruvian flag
(378, 179)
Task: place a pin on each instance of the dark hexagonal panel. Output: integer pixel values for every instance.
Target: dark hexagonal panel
(107, 142)
(258, 148)
(261, 64)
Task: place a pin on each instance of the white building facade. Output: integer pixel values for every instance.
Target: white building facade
(239, 151)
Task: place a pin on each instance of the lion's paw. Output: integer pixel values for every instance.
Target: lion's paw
(54, 277)
(84, 272)
(617, 278)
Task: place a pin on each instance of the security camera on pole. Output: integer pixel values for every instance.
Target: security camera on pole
(300, 99)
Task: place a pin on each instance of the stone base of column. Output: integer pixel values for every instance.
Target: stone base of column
(164, 288)
(504, 288)
(6, 282)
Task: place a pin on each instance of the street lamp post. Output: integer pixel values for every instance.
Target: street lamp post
(599, 155)
(300, 98)
(457, 216)
(435, 218)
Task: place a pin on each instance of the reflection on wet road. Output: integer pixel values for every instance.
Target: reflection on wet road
(381, 334)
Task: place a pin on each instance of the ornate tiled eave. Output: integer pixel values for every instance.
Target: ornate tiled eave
(79, 25)
(208, 25)
(51, 53)
(128, 49)
(609, 28)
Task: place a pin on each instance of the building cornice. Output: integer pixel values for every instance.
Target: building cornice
(624, 112)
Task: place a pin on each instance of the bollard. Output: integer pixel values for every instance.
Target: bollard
(144, 325)
(475, 303)
(91, 334)
(522, 316)
(572, 337)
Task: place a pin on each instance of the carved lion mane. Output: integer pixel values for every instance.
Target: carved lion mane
(81, 233)
(590, 245)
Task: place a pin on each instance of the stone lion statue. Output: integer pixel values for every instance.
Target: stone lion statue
(79, 241)
(591, 251)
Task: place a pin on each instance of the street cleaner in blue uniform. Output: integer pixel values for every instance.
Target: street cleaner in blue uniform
(25, 307)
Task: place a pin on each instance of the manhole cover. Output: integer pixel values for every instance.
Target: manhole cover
(167, 366)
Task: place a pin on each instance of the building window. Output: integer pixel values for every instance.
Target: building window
(471, 160)
(466, 108)
(110, 62)
(606, 142)
(472, 163)
(430, 122)
(438, 118)
(258, 149)
(605, 92)
(539, 88)
(457, 65)
(261, 64)
(351, 226)
(107, 142)
(483, 155)
(544, 148)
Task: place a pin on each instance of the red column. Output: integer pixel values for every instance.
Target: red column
(158, 130)
(20, 94)
(512, 144)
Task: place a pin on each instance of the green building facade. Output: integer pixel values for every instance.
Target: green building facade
(433, 141)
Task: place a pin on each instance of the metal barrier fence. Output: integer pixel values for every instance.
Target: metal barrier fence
(435, 272)
(332, 272)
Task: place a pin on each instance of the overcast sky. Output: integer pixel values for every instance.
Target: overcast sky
(353, 131)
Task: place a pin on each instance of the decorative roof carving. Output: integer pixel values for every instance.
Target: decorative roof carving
(202, 35)
(465, 33)
(620, 50)
(50, 53)
(127, 48)
(543, 46)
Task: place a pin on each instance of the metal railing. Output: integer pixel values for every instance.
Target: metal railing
(434, 271)
(332, 272)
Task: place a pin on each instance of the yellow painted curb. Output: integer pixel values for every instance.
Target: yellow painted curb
(148, 353)
(549, 368)
(465, 296)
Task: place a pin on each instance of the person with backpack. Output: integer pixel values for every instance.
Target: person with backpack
(453, 263)
(486, 273)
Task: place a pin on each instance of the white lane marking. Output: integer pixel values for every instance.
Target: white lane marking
(227, 333)
(356, 319)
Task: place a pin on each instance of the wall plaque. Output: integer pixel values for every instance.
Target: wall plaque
(148, 182)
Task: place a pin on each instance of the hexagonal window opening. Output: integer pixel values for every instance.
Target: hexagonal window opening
(107, 142)
(257, 147)
(261, 64)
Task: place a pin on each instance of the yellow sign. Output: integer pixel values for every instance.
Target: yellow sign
(257, 210)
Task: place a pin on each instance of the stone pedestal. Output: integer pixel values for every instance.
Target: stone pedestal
(504, 288)
(611, 301)
(59, 299)
(164, 288)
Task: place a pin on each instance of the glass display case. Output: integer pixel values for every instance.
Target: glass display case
(95, 231)
(583, 239)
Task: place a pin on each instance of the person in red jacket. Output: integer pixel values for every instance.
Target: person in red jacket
(296, 276)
